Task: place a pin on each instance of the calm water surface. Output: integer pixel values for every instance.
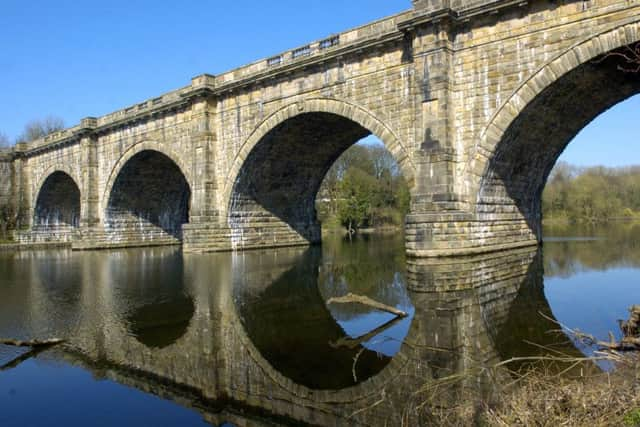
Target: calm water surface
(157, 337)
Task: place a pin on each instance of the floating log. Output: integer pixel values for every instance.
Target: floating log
(26, 356)
(625, 344)
(360, 299)
(630, 333)
(31, 343)
(352, 343)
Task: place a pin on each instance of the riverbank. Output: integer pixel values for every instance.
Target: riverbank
(545, 395)
(385, 229)
(567, 222)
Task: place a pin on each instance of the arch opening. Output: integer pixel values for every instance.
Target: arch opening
(58, 204)
(273, 199)
(516, 174)
(149, 201)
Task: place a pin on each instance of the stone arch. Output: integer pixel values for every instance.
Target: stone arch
(341, 108)
(147, 198)
(517, 150)
(132, 151)
(269, 193)
(545, 77)
(58, 200)
(39, 181)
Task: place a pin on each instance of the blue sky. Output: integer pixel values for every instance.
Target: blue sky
(75, 59)
(612, 139)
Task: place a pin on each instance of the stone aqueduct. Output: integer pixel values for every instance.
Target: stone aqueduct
(475, 99)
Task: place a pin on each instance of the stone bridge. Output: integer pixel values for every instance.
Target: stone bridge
(475, 100)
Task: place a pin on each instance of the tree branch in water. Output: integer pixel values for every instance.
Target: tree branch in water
(361, 299)
(18, 360)
(31, 343)
(352, 343)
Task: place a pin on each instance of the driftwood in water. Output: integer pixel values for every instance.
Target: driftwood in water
(631, 327)
(31, 343)
(630, 333)
(26, 356)
(625, 344)
(37, 347)
(360, 299)
(351, 343)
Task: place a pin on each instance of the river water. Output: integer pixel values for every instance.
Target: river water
(158, 337)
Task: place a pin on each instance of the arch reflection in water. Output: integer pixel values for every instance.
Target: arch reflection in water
(150, 282)
(469, 314)
(162, 323)
(281, 297)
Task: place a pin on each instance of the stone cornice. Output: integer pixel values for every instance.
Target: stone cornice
(290, 68)
(122, 118)
(459, 14)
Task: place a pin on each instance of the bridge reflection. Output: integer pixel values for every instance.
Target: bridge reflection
(240, 342)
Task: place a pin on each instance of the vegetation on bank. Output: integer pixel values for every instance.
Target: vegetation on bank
(594, 194)
(364, 188)
(543, 398)
(552, 389)
(605, 246)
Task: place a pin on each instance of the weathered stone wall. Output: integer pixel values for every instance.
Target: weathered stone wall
(7, 207)
(503, 67)
(474, 99)
(39, 167)
(6, 179)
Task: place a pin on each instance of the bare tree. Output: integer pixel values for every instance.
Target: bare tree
(41, 127)
(4, 141)
(630, 56)
(383, 161)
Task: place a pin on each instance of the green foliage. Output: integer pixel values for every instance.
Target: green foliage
(364, 188)
(632, 418)
(616, 244)
(357, 196)
(594, 194)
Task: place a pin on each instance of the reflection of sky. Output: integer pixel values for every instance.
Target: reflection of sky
(357, 320)
(44, 393)
(388, 342)
(592, 301)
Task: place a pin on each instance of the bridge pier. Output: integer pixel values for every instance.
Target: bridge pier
(463, 233)
(255, 233)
